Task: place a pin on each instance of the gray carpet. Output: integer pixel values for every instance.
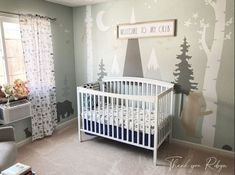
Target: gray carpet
(61, 154)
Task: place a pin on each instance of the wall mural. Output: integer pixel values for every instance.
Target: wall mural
(213, 55)
(133, 64)
(64, 110)
(99, 22)
(193, 109)
(195, 106)
(28, 132)
(153, 68)
(198, 117)
(66, 89)
(184, 72)
(89, 53)
(102, 72)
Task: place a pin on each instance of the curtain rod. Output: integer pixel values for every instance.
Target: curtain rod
(12, 13)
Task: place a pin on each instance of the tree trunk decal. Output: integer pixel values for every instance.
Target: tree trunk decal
(212, 68)
(213, 55)
(89, 24)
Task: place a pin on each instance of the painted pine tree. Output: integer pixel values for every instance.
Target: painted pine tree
(102, 72)
(184, 71)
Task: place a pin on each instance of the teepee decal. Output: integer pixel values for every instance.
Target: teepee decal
(133, 64)
(184, 72)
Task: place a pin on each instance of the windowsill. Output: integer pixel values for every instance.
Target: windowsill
(4, 100)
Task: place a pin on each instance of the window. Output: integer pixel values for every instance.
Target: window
(11, 54)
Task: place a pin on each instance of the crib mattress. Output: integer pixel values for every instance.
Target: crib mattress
(119, 117)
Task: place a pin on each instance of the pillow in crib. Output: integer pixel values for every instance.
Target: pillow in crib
(90, 99)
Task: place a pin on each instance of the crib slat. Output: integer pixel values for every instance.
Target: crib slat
(82, 113)
(114, 87)
(79, 116)
(138, 89)
(103, 110)
(95, 111)
(86, 108)
(108, 116)
(99, 114)
(122, 119)
(138, 124)
(117, 126)
(127, 119)
(112, 117)
(130, 84)
(155, 131)
(142, 89)
(151, 90)
(110, 87)
(91, 112)
(147, 91)
(143, 106)
(133, 129)
(171, 113)
(149, 111)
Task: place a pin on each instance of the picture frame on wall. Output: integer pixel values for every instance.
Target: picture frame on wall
(162, 28)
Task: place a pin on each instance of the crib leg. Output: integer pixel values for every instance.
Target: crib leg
(79, 132)
(155, 156)
(79, 136)
(170, 137)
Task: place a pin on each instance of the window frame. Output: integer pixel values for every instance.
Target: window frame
(10, 19)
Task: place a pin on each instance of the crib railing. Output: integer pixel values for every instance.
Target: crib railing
(94, 106)
(134, 86)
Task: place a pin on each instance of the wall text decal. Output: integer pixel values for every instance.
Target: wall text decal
(147, 29)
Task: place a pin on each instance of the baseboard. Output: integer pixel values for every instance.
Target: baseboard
(204, 148)
(24, 142)
(65, 124)
(58, 127)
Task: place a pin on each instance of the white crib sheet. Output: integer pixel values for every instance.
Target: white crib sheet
(118, 117)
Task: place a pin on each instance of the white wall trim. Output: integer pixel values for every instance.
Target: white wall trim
(58, 127)
(24, 142)
(204, 148)
(66, 123)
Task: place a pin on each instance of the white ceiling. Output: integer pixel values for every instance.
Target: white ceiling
(75, 3)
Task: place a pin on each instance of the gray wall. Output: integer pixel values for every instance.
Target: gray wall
(191, 16)
(63, 44)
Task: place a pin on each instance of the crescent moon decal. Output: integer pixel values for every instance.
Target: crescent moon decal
(99, 22)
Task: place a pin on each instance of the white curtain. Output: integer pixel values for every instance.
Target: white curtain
(38, 54)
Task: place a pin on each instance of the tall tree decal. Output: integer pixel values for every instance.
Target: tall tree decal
(102, 72)
(213, 55)
(66, 88)
(89, 51)
(184, 72)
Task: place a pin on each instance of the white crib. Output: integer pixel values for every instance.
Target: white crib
(136, 111)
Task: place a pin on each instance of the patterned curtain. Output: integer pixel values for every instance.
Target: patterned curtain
(39, 63)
